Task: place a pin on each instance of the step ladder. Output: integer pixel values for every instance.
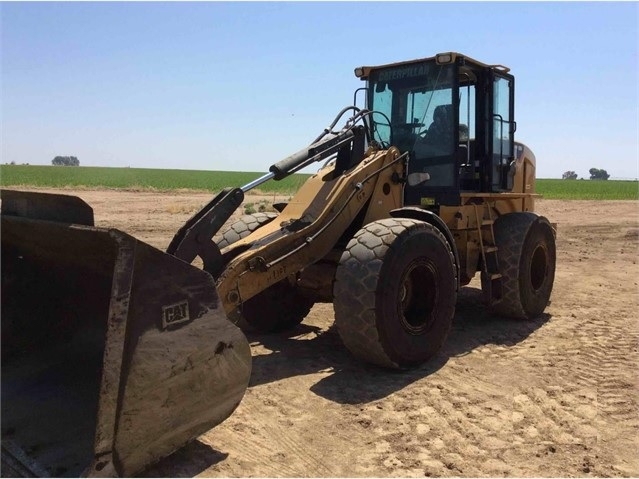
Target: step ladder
(492, 286)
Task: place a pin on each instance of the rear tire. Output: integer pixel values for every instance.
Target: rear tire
(395, 292)
(277, 308)
(527, 258)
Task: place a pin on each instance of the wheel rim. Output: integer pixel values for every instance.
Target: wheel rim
(417, 296)
(538, 268)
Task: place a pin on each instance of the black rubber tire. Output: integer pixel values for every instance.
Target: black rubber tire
(277, 308)
(380, 314)
(243, 227)
(527, 257)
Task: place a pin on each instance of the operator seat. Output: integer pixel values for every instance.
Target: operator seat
(440, 131)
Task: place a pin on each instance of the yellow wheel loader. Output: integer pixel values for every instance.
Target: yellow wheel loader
(115, 354)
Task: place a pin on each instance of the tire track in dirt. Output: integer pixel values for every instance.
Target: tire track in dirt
(615, 351)
(460, 428)
(277, 436)
(607, 344)
(590, 351)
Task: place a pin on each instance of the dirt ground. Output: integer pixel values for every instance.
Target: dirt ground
(557, 396)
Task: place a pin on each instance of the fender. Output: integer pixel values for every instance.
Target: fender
(415, 213)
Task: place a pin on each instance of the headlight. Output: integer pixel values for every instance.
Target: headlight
(444, 58)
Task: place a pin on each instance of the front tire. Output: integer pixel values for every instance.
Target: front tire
(395, 292)
(277, 308)
(243, 227)
(527, 257)
(280, 307)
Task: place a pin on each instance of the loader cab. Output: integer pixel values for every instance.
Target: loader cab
(455, 118)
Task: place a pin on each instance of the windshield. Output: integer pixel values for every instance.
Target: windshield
(417, 100)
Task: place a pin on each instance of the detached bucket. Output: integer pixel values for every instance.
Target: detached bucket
(114, 354)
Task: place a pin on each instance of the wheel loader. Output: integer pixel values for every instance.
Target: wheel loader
(115, 354)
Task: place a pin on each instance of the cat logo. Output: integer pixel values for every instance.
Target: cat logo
(175, 314)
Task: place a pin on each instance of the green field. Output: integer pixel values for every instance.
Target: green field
(138, 178)
(142, 178)
(588, 190)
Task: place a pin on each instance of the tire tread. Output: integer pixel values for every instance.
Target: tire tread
(356, 286)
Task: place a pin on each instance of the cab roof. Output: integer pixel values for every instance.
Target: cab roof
(441, 58)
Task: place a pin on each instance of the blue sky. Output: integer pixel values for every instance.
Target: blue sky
(238, 86)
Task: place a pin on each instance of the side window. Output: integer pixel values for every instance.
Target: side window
(502, 144)
(418, 100)
(501, 118)
(466, 113)
(382, 102)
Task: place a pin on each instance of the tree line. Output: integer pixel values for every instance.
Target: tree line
(65, 161)
(595, 174)
(59, 161)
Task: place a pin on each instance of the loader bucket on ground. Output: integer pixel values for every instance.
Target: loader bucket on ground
(114, 354)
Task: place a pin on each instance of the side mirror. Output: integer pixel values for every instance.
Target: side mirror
(417, 178)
